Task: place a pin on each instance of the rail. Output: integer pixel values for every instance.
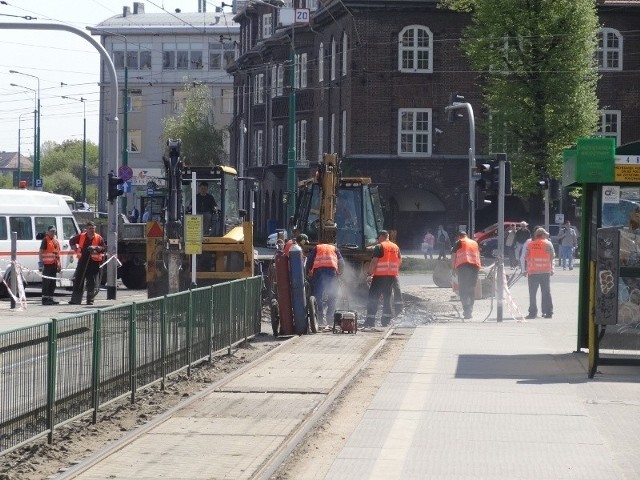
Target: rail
(53, 373)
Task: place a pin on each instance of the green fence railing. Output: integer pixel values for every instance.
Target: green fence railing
(55, 372)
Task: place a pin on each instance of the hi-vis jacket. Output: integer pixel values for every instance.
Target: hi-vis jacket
(326, 257)
(96, 242)
(539, 256)
(467, 253)
(51, 255)
(389, 264)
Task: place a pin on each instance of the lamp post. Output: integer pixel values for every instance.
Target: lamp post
(35, 124)
(84, 144)
(36, 163)
(20, 143)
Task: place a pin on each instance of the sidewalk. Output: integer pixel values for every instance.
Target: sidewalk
(472, 400)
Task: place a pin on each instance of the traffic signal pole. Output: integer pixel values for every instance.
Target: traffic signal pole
(472, 161)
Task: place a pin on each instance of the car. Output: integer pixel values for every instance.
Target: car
(492, 231)
(83, 207)
(273, 237)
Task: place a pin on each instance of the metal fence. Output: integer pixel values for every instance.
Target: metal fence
(53, 373)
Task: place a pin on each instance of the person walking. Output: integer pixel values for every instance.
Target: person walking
(146, 216)
(510, 246)
(383, 273)
(568, 240)
(49, 256)
(442, 242)
(465, 260)
(324, 265)
(428, 243)
(537, 264)
(522, 235)
(134, 215)
(90, 248)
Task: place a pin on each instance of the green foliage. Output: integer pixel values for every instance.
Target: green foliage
(202, 143)
(61, 167)
(537, 61)
(6, 181)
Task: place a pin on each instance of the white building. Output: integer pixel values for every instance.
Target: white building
(163, 52)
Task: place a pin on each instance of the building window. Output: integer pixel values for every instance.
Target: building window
(301, 70)
(227, 100)
(135, 141)
(333, 59)
(280, 82)
(414, 50)
(138, 56)
(321, 63)
(258, 89)
(280, 143)
(344, 132)
(414, 131)
(267, 25)
(345, 45)
(274, 80)
(332, 135)
(259, 147)
(302, 144)
(134, 100)
(609, 49)
(609, 124)
(320, 138)
(182, 56)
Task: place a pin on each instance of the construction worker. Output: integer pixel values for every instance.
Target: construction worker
(383, 272)
(90, 248)
(301, 240)
(537, 265)
(49, 256)
(465, 259)
(324, 264)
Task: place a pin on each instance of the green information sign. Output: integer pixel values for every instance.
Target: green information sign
(593, 161)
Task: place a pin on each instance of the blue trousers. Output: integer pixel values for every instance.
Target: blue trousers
(325, 289)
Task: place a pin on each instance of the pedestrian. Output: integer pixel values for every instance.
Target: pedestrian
(383, 273)
(146, 216)
(443, 243)
(90, 248)
(427, 245)
(522, 235)
(537, 264)
(465, 260)
(50, 265)
(324, 265)
(510, 246)
(568, 240)
(134, 215)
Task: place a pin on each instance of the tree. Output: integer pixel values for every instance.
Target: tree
(202, 143)
(536, 59)
(62, 167)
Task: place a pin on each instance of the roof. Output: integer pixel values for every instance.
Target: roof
(9, 160)
(142, 22)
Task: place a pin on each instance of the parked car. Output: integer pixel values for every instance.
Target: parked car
(492, 231)
(272, 238)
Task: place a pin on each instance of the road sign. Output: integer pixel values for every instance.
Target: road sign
(126, 187)
(150, 192)
(559, 217)
(39, 183)
(125, 172)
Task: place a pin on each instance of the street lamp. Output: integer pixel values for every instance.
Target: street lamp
(36, 163)
(35, 126)
(20, 142)
(84, 144)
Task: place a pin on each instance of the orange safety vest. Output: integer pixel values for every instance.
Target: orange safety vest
(539, 259)
(389, 264)
(287, 247)
(326, 257)
(51, 255)
(467, 253)
(97, 239)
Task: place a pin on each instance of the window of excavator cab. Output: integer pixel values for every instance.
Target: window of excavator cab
(349, 216)
(231, 208)
(373, 215)
(310, 207)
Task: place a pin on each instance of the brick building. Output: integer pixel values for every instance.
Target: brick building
(372, 81)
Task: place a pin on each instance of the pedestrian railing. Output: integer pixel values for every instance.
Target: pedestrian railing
(55, 372)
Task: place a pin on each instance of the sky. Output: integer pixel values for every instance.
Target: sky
(66, 65)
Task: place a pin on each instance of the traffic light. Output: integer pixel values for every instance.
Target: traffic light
(495, 173)
(453, 114)
(484, 177)
(114, 191)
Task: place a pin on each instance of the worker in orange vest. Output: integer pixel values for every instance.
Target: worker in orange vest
(383, 272)
(537, 264)
(49, 256)
(324, 264)
(90, 248)
(465, 260)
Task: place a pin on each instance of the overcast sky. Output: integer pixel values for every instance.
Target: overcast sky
(66, 65)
